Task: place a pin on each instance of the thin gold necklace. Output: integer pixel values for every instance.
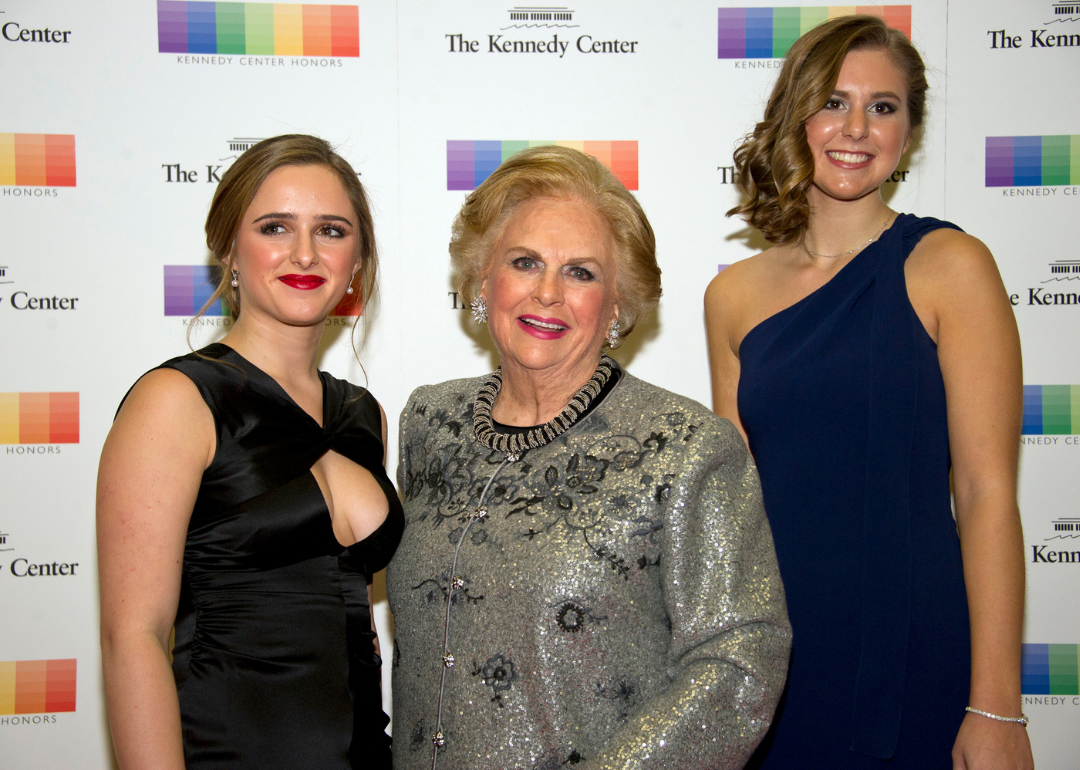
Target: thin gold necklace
(860, 247)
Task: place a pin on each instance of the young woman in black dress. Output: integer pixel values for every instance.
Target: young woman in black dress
(242, 500)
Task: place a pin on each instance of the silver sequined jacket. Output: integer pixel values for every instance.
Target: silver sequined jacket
(621, 605)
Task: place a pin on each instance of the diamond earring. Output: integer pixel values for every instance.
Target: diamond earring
(479, 309)
(235, 279)
(613, 334)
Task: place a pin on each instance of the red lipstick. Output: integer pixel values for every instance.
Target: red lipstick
(302, 282)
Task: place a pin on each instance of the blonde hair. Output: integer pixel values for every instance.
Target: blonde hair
(238, 187)
(774, 167)
(558, 172)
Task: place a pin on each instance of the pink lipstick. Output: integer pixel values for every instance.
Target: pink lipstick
(542, 328)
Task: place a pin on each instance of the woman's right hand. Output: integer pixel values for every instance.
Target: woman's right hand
(151, 467)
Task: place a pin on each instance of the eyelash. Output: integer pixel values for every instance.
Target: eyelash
(268, 228)
(578, 272)
(879, 108)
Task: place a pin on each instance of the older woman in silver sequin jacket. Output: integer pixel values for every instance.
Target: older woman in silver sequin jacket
(587, 577)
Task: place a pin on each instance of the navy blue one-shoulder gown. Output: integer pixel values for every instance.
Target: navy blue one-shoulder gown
(843, 400)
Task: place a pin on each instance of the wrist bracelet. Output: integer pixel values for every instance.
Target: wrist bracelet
(1020, 720)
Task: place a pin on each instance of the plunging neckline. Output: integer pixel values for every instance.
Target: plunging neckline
(819, 289)
(282, 394)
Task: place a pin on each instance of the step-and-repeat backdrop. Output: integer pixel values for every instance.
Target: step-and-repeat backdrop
(118, 119)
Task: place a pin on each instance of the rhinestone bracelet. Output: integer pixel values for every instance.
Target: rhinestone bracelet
(1020, 720)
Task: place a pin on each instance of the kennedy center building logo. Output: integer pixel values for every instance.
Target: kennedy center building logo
(469, 163)
(36, 687)
(274, 29)
(39, 418)
(768, 33)
(37, 160)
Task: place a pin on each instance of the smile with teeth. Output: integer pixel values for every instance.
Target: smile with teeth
(542, 325)
(849, 157)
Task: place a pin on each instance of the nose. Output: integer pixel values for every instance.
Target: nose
(855, 125)
(305, 254)
(549, 288)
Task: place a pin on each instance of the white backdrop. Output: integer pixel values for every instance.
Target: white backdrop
(89, 232)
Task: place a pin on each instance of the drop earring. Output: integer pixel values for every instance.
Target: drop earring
(235, 279)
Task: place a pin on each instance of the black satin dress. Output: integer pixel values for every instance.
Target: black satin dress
(274, 659)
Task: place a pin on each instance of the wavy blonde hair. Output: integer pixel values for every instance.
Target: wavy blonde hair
(774, 167)
(242, 181)
(558, 172)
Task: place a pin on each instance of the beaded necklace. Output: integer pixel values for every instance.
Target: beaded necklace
(484, 429)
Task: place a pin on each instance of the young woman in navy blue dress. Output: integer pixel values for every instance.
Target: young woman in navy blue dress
(865, 356)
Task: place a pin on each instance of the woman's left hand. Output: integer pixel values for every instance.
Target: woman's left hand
(985, 744)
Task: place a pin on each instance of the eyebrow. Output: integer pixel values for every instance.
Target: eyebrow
(292, 217)
(875, 95)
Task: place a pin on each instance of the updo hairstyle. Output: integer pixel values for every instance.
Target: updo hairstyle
(242, 181)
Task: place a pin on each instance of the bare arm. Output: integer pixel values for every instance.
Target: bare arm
(151, 467)
(955, 287)
(723, 362)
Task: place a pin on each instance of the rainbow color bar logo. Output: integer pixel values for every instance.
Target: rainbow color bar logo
(1020, 161)
(469, 163)
(1049, 669)
(189, 287)
(278, 29)
(37, 686)
(39, 418)
(768, 33)
(1051, 410)
(37, 160)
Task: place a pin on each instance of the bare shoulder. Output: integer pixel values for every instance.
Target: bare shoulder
(165, 410)
(161, 395)
(952, 280)
(738, 276)
(944, 256)
(737, 283)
